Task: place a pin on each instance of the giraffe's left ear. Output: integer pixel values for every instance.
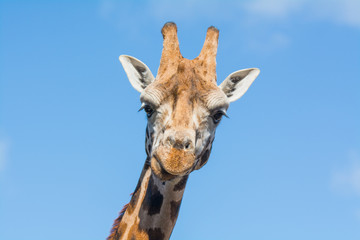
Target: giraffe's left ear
(138, 73)
(237, 83)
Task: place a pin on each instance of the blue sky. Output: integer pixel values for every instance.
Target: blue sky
(286, 165)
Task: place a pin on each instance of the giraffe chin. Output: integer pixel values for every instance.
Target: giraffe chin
(164, 173)
(159, 171)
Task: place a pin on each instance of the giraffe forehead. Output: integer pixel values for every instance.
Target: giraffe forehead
(186, 84)
(186, 90)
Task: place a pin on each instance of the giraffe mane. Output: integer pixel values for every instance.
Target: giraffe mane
(116, 223)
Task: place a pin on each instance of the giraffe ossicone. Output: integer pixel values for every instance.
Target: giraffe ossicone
(184, 105)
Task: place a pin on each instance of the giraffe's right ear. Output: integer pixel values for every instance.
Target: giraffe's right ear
(138, 73)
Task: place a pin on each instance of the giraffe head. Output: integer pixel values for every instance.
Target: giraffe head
(183, 104)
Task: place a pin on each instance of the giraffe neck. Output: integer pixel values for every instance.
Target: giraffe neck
(153, 209)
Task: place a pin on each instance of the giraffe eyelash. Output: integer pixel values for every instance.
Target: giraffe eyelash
(141, 107)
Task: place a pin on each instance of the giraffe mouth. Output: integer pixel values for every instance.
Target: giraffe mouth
(159, 170)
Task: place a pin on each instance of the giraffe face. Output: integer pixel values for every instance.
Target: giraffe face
(183, 111)
(183, 103)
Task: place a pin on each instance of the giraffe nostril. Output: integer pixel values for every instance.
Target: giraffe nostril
(171, 140)
(181, 143)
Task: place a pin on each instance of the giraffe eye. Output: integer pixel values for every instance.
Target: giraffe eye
(218, 115)
(148, 110)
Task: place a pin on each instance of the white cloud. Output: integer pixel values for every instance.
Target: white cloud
(173, 10)
(269, 43)
(262, 22)
(347, 180)
(337, 11)
(106, 8)
(273, 9)
(341, 12)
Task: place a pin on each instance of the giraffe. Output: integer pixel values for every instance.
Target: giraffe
(183, 105)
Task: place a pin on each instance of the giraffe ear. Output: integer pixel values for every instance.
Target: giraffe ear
(138, 73)
(237, 83)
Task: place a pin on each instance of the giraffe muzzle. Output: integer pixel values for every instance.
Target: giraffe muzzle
(176, 161)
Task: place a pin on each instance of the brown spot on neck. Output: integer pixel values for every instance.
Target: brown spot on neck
(181, 184)
(153, 199)
(156, 234)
